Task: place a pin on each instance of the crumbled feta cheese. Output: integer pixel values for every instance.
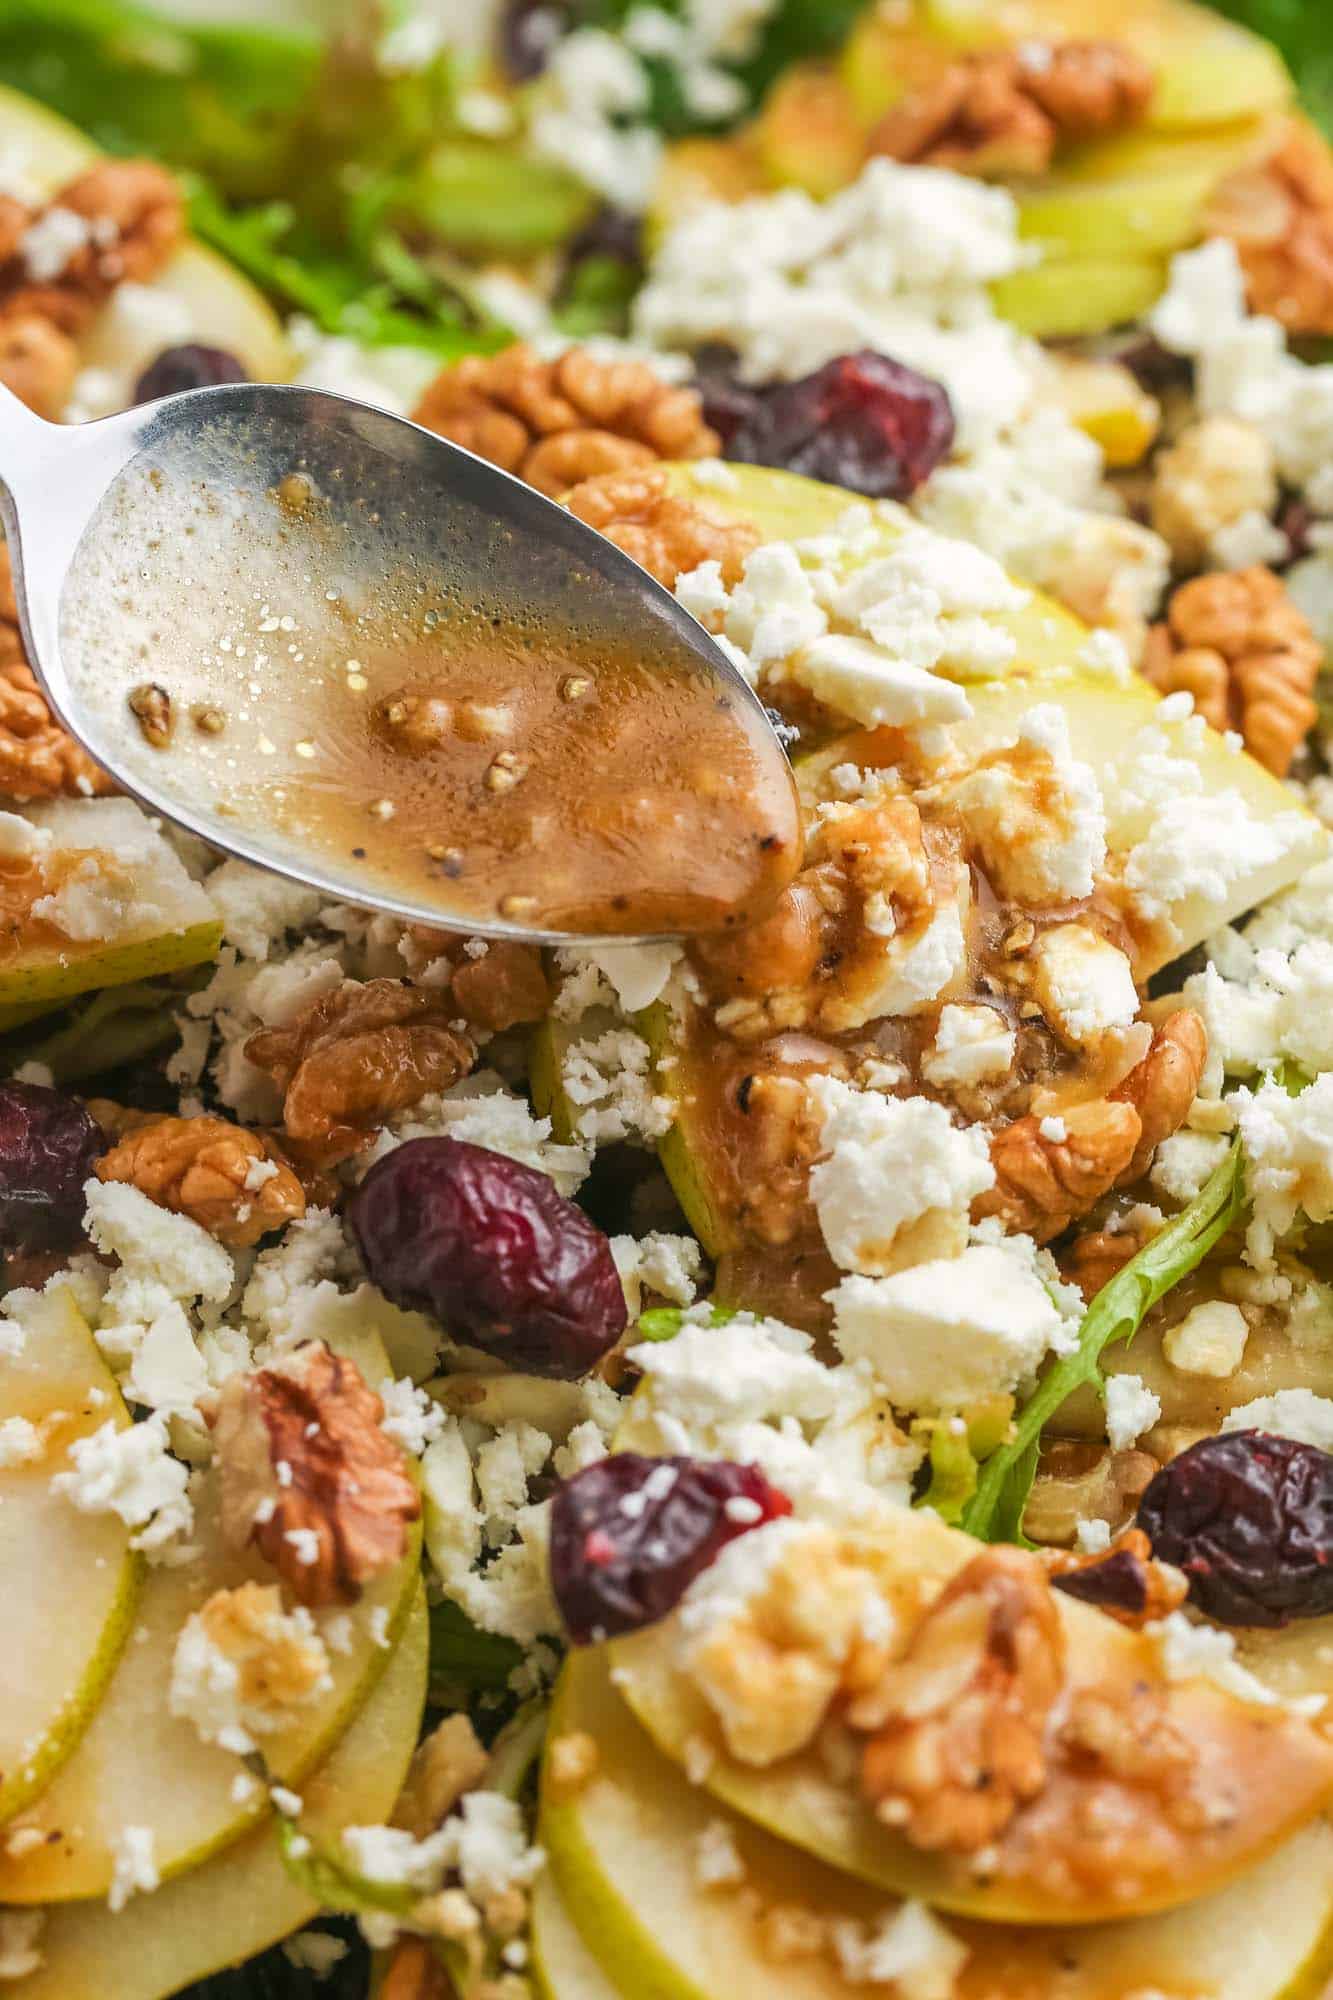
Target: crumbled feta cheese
(410, 1417)
(316, 1952)
(19, 1950)
(1183, 1163)
(48, 244)
(972, 1045)
(610, 1079)
(949, 1332)
(20, 1443)
(1288, 1146)
(1206, 1652)
(909, 1949)
(134, 1869)
(741, 1371)
(131, 1473)
(860, 679)
(583, 117)
(243, 1667)
(1202, 845)
(637, 973)
(1036, 812)
(155, 1246)
(892, 1163)
(717, 1859)
(1293, 1413)
(1131, 1409)
(1209, 1340)
(1083, 985)
(665, 1264)
(484, 1112)
(167, 1371)
(1092, 1537)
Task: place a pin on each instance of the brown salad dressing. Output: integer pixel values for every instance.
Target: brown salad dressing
(526, 749)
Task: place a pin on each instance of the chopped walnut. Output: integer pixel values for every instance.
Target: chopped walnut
(1163, 1086)
(960, 1719)
(1065, 1493)
(1042, 1184)
(1279, 214)
(448, 1763)
(829, 955)
(505, 989)
(38, 758)
(1004, 111)
(1093, 1259)
(1238, 644)
(1217, 471)
(664, 532)
(1125, 1580)
(771, 1666)
(299, 1448)
(280, 1660)
(555, 423)
(38, 362)
(230, 1180)
(136, 219)
(1114, 574)
(356, 1056)
(414, 1973)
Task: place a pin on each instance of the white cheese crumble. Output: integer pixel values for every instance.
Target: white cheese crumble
(20, 1953)
(972, 1045)
(1209, 1340)
(1083, 984)
(717, 1859)
(892, 1163)
(950, 1332)
(910, 1949)
(1288, 1146)
(223, 1678)
(20, 1443)
(131, 1473)
(1131, 1409)
(1037, 814)
(48, 244)
(134, 1869)
(1292, 1413)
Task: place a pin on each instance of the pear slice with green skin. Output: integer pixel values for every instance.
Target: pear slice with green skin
(243, 1901)
(1276, 1770)
(138, 1765)
(224, 308)
(624, 1899)
(71, 1580)
(170, 925)
(1069, 297)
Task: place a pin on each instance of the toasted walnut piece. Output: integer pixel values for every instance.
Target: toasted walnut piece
(279, 1664)
(356, 1056)
(1042, 1184)
(1216, 471)
(1125, 1581)
(1107, 1490)
(504, 989)
(667, 534)
(137, 219)
(414, 1973)
(557, 422)
(448, 1763)
(228, 1179)
(1279, 215)
(961, 1718)
(299, 1447)
(1268, 654)
(1004, 111)
(1164, 1085)
(38, 362)
(38, 759)
(1093, 1259)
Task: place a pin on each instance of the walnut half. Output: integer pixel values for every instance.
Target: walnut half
(231, 1181)
(309, 1477)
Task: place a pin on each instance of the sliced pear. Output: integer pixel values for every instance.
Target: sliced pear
(221, 307)
(1277, 1770)
(145, 913)
(242, 1901)
(138, 1765)
(809, 133)
(1066, 297)
(70, 1579)
(625, 1912)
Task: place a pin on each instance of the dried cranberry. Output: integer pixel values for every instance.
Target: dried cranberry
(1154, 367)
(494, 1251)
(191, 367)
(528, 33)
(1119, 1582)
(1249, 1519)
(48, 1143)
(611, 233)
(630, 1534)
(728, 403)
(862, 421)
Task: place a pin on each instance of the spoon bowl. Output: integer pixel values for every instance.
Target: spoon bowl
(215, 589)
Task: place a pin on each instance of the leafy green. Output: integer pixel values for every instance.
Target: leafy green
(995, 1511)
(121, 1024)
(1303, 30)
(464, 1661)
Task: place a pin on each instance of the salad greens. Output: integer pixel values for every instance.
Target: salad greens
(995, 1511)
(1303, 31)
(466, 1662)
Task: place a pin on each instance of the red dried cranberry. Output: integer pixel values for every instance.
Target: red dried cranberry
(728, 403)
(528, 33)
(1119, 1582)
(630, 1534)
(190, 367)
(48, 1143)
(1249, 1519)
(862, 421)
(494, 1251)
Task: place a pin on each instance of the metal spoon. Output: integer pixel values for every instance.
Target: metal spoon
(148, 536)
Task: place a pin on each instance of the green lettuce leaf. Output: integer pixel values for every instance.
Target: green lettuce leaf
(464, 1661)
(995, 1511)
(1303, 30)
